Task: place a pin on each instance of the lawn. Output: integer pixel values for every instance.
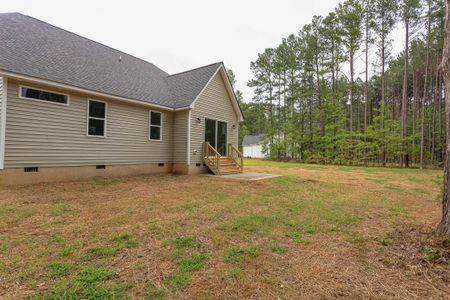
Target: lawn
(316, 232)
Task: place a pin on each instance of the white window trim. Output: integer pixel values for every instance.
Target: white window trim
(95, 118)
(44, 90)
(150, 125)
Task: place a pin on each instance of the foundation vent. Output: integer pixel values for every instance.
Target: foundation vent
(31, 169)
(161, 165)
(198, 164)
(100, 167)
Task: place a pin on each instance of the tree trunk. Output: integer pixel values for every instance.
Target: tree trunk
(425, 87)
(366, 85)
(444, 226)
(415, 97)
(382, 68)
(351, 90)
(404, 124)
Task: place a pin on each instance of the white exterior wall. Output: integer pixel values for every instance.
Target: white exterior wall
(254, 151)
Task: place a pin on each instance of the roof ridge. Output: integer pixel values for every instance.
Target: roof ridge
(216, 63)
(91, 40)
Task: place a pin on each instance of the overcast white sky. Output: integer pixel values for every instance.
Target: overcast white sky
(177, 35)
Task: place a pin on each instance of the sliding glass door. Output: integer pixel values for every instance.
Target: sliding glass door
(216, 135)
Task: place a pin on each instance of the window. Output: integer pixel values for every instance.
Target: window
(42, 95)
(155, 126)
(96, 118)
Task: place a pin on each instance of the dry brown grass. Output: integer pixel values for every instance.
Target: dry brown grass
(317, 232)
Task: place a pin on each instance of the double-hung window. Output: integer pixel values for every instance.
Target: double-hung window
(155, 127)
(96, 118)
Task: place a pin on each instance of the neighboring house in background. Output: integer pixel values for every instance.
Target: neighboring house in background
(72, 108)
(253, 146)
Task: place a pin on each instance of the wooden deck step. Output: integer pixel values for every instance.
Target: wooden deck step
(226, 165)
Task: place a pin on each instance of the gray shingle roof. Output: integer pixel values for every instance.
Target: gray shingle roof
(252, 140)
(185, 86)
(32, 47)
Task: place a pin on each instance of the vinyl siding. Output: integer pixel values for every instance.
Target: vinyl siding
(1, 99)
(180, 137)
(49, 135)
(213, 103)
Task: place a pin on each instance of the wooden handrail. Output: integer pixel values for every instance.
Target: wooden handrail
(236, 156)
(209, 152)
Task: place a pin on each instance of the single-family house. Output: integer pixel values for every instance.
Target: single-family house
(72, 108)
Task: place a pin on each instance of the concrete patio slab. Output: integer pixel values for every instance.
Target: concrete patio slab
(246, 176)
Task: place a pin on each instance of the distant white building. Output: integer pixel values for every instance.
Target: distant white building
(252, 146)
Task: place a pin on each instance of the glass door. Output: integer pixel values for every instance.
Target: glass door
(221, 138)
(216, 135)
(210, 132)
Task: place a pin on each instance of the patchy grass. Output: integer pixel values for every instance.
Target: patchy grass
(234, 256)
(316, 232)
(177, 281)
(58, 269)
(13, 215)
(182, 242)
(279, 249)
(251, 223)
(297, 238)
(195, 263)
(125, 240)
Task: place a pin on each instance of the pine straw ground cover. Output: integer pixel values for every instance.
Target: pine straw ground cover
(316, 232)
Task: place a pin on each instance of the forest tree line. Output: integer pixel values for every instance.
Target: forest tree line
(334, 93)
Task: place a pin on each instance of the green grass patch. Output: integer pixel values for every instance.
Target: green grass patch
(57, 240)
(102, 251)
(195, 263)
(253, 251)
(88, 283)
(278, 249)
(60, 209)
(234, 256)
(10, 215)
(182, 242)
(252, 223)
(66, 251)
(394, 187)
(58, 269)
(108, 181)
(177, 281)
(286, 180)
(398, 210)
(91, 275)
(4, 245)
(431, 253)
(126, 240)
(297, 237)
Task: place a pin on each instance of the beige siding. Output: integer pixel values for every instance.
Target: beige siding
(180, 129)
(1, 99)
(48, 134)
(213, 103)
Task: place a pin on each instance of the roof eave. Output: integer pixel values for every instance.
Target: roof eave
(83, 90)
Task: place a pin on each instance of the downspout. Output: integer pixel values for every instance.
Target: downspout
(189, 138)
(3, 123)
